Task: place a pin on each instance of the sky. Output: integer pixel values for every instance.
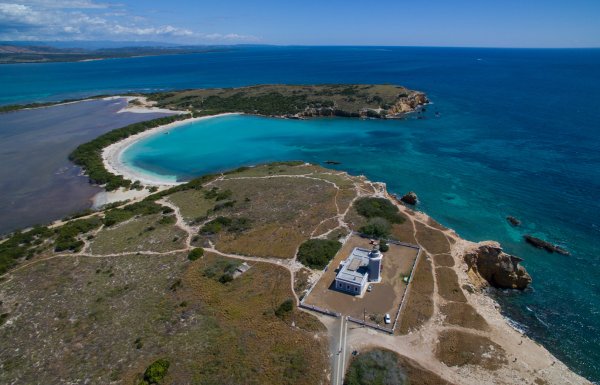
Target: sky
(463, 23)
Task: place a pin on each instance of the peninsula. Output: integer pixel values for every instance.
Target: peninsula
(229, 277)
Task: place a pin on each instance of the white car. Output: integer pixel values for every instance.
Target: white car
(370, 287)
(387, 319)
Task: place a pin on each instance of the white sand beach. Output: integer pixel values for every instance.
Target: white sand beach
(112, 155)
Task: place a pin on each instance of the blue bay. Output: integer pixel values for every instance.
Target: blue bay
(518, 133)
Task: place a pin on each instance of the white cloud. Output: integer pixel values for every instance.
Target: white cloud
(81, 20)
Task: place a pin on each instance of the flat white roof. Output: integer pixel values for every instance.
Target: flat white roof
(355, 267)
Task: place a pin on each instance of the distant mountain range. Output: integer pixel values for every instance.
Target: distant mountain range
(41, 52)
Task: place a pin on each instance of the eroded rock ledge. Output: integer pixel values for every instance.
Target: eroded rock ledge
(498, 269)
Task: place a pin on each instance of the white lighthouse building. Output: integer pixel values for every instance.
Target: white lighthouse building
(374, 265)
(361, 267)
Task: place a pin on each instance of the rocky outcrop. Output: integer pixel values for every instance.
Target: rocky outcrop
(410, 198)
(499, 269)
(513, 221)
(408, 103)
(541, 244)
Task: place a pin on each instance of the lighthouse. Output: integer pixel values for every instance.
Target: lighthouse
(374, 265)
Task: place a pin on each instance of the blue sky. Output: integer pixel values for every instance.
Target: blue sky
(479, 23)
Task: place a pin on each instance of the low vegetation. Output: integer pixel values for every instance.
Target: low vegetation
(376, 367)
(286, 307)
(350, 100)
(117, 215)
(156, 372)
(378, 208)
(221, 270)
(67, 235)
(232, 225)
(196, 253)
(376, 228)
(22, 245)
(316, 253)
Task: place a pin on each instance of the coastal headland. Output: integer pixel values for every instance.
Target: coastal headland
(168, 268)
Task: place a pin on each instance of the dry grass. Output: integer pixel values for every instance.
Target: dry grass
(464, 315)
(434, 241)
(419, 301)
(417, 375)
(448, 287)
(192, 204)
(139, 234)
(275, 169)
(255, 346)
(443, 260)
(459, 348)
(285, 211)
(75, 320)
(78, 320)
(404, 232)
(382, 366)
(301, 281)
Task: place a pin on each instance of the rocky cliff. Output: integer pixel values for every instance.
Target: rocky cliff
(499, 269)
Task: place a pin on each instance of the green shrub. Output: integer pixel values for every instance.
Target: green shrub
(233, 225)
(376, 228)
(196, 253)
(378, 207)
(215, 226)
(223, 268)
(167, 220)
(67, 234)
(227, 277)
(285, 307)
(114, 216)
(316, 253)
(383, 246)
(155, 373)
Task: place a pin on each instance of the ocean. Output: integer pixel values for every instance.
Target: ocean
(517, 132)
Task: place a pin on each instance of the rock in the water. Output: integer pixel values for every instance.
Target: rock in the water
(513, 221)
(332, 162)
(541, 244)
(499, 269)
(410, 198)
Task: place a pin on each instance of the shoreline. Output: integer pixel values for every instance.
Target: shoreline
(112, 154)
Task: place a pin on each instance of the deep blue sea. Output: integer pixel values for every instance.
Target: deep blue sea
(518, 133)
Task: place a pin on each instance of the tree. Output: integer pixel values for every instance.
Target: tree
(196, 253)
(376, 228)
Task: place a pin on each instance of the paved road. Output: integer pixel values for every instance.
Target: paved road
(338, 351)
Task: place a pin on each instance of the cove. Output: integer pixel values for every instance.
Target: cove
(460, 177)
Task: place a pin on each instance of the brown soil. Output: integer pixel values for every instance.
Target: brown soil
(458, 348)
(448, 287)
(463, 314)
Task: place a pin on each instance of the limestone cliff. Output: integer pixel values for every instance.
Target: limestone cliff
(497, 268)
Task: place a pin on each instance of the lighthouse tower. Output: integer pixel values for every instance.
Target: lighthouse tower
(374, 266)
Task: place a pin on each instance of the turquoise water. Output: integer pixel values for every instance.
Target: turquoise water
(518, 134)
